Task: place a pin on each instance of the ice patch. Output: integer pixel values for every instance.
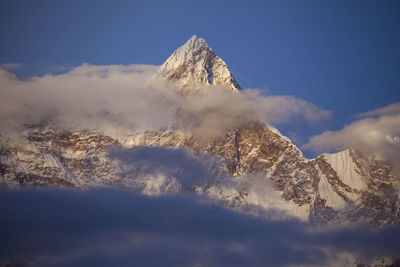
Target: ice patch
(326, 192)
(345, 168)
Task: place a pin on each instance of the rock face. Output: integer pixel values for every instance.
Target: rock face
(195, 64)
(344, 187)
(253, 167)
(263, 168)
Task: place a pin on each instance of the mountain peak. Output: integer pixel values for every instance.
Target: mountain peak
(193, 44)
(195, 64)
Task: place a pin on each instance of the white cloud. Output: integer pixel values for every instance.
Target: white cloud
(283, 109)
(378, 133)
(388, 110)
(107, 97)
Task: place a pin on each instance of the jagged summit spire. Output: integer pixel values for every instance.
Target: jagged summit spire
(186, 52)
(195, 64)
(194, 43)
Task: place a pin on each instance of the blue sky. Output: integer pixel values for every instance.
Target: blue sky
(340, 55)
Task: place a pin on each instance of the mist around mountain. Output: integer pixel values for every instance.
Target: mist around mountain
(181, 162)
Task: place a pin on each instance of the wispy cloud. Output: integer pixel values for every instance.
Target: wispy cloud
(376, 132)
(392, 109)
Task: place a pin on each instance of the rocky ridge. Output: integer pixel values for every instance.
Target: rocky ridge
(253, 167)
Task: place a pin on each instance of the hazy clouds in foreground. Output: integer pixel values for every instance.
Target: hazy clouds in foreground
(113, 227)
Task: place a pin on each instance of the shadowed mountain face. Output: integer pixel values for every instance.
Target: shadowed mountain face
(251, 167)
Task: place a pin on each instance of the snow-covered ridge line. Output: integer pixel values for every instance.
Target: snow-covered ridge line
(251, 165)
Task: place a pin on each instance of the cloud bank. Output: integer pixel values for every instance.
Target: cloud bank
(113, 96)
(376, 132)
(112, 227)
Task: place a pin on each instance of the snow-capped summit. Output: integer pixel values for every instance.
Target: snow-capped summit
(186, 52)
(195, 64)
